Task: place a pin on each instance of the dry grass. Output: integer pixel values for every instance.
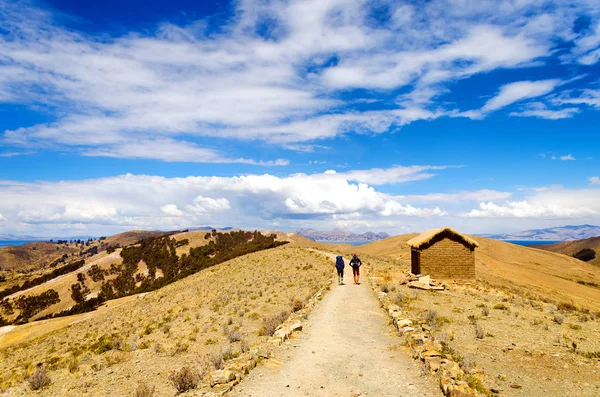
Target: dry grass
(121, 340)
(520, 342)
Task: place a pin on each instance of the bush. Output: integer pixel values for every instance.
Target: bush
(143, 390)
(271, 323)
(234, 336)
(566, 307)
(39, 379)
(479, 333)
(297, 304)
(500, 306)
(184, 379)
(485, 311)
(586, 255)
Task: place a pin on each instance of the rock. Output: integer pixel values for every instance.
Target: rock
(282, 333)
(418, 285)
(502, 377)
(401, 323)
(451, 369)
(433, 363)
(297, 326)
(406, 330)
(445, 383)
(431, 353)
(221, 377)
(496, 390)
(425, 280)
(516, 386)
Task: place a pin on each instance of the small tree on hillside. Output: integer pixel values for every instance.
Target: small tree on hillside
(586, 254)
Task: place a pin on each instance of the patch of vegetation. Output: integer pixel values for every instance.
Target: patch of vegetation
(500, 306)
(574, 326)
(270, 323)
(586, 255)
(39, 379)
(590, 354)
(566, 307)
(71, 267)
(589, 283)
(184, 379)
(159, 254)
(143, 390)
(476, 383)
(32, 305)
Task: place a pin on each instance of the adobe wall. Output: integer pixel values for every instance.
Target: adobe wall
(448, 259)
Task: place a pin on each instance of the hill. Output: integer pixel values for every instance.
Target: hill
(531, 270)
(339, 235)
(573, 247)
(216, 313)
(560, 233)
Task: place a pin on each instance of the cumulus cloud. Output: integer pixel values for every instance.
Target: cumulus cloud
(127, 95)
(544, 203)
(142, 201)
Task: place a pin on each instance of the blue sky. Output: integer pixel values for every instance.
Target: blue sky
(363, 115)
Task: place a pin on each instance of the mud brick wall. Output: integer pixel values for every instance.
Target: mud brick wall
(448, 259)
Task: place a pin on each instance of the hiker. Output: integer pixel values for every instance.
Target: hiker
(355, 263)
(339, 265)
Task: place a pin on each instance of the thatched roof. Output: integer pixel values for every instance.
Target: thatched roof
(431, 236)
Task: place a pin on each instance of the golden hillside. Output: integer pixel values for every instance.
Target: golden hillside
(503, 264)
(572, 247)
(33, 256)
(219, 310)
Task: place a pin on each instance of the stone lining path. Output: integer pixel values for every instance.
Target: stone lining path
(346, 349)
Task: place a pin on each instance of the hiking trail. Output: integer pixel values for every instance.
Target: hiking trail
(346, 349)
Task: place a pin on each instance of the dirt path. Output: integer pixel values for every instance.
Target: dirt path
(347, 349)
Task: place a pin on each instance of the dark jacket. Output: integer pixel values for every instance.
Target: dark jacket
(355, 262)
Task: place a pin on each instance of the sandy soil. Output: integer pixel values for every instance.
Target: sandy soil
(348, 349)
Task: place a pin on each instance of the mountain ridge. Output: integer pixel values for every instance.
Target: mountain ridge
(339, 235)
(560, 233)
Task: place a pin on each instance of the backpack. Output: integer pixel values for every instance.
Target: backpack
(339, 262)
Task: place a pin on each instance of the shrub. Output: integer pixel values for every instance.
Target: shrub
(143, 390)
(500, 306)
(234, 336)
(575, 326)
(479, 333)
(184, 379)
(566, 307)
(384, 288)
(297, 304)
(39, 379)
(485, 311)
(586, 255)
(271, 323)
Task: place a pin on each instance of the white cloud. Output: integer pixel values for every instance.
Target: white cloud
(141, 201)
(2, 218)
(399, 174)
(544, 203)
(474, 195)
(118, 97)
(568, 157)
(541, 111)
(594, 180)
(514, 92)
(171, 210)
(584, 97)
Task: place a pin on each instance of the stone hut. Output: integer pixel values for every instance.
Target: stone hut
(443, 253)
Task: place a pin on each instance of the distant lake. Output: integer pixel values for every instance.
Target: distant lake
(6, 243)
(532, 242)
(355, 243)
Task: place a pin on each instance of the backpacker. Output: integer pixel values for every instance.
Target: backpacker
(339, 262)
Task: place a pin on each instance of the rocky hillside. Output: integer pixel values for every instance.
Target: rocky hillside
(573, 248)
(560, 233)
(339, 235)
